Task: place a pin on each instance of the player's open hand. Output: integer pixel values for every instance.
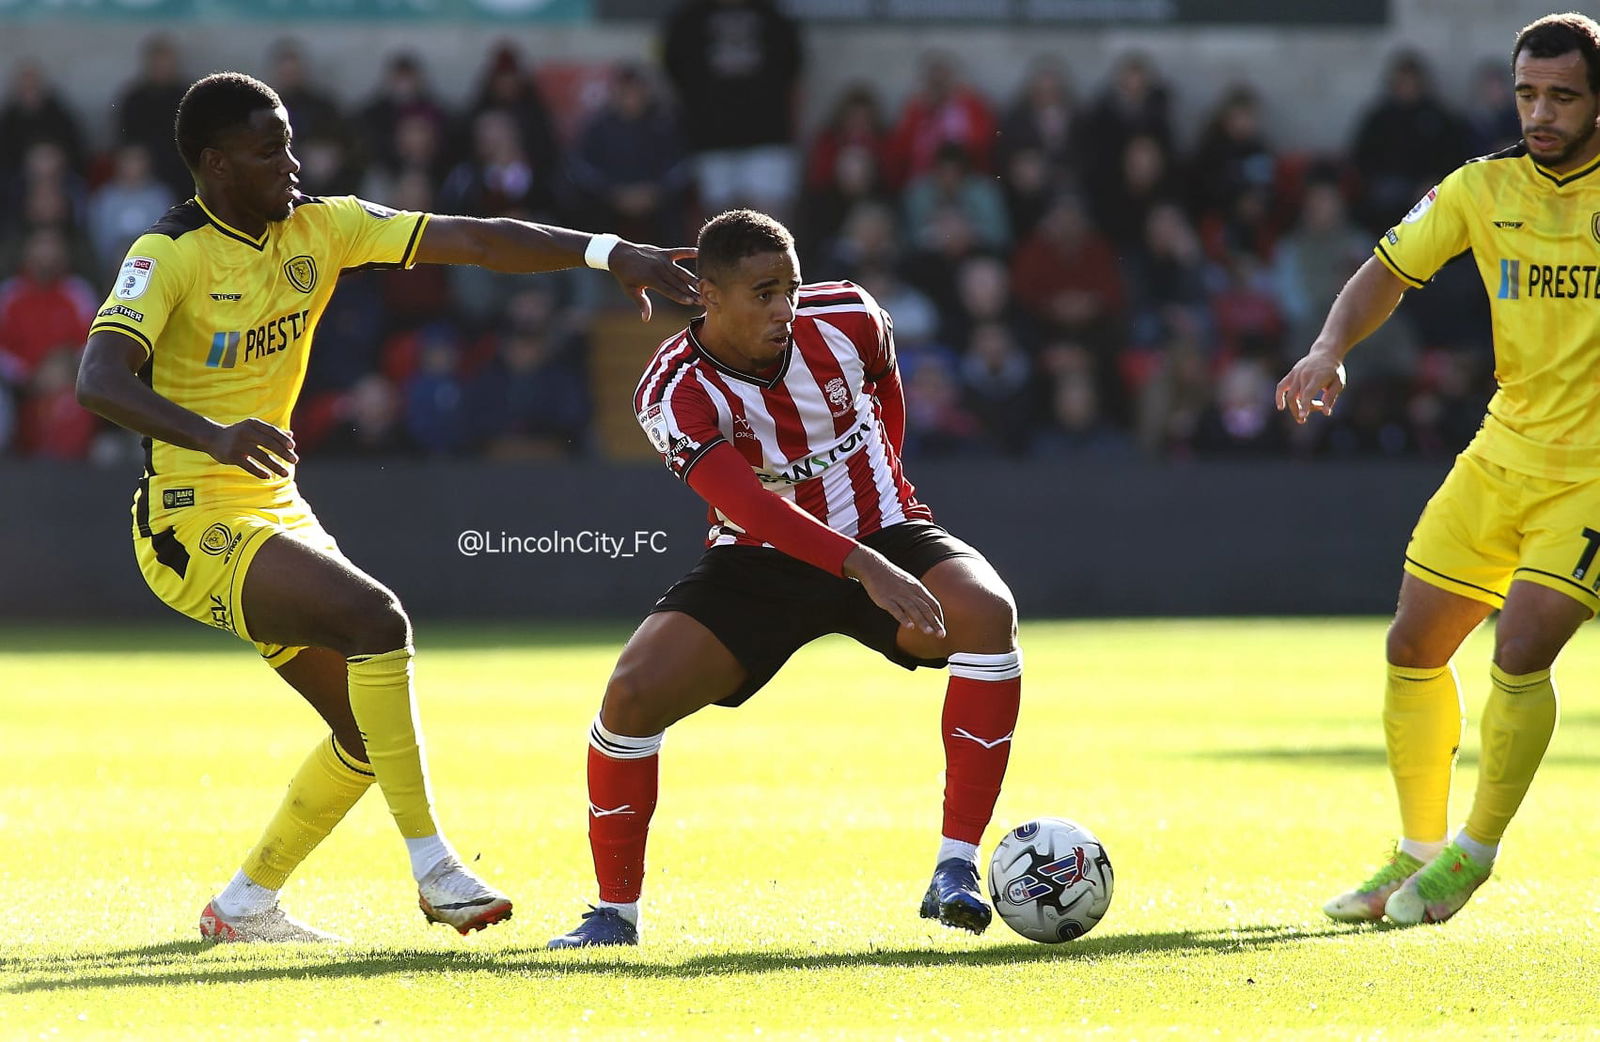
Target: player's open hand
(255, 446)
(1313, 385)
(895, 590)
(640, 268)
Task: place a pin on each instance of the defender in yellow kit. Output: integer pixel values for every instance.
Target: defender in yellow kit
(202, 347)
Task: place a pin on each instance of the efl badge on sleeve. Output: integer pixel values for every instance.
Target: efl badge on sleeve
(654, 422)
(302, 273)
(134, 278)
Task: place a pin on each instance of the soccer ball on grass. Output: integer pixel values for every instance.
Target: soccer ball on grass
(1050, 880)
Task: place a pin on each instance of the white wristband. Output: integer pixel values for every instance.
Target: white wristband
(598, 255)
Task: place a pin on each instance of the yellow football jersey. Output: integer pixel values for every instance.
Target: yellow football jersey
(1535, 236)
(228, 318)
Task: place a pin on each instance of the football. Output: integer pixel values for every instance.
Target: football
(1050, 880)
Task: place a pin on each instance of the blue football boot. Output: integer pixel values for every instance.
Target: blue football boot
(955, 897)
(600, 928)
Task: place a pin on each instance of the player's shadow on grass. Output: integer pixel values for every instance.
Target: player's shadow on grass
(167, 965)
(1368, 756)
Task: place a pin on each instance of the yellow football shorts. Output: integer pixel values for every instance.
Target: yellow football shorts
(198, 565)
(1487, 526)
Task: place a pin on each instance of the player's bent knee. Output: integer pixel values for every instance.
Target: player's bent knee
(373, 622)
(633, 705)
(982, 620)
(1520, 655)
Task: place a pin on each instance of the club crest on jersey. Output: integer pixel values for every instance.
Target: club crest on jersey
(302, 273)
(1422, 206)
(218, 540)
(742, 429)
(1594, 225)
(838, 395)
(134, 278)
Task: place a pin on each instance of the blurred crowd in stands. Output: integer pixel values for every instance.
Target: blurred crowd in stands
(1068, 274)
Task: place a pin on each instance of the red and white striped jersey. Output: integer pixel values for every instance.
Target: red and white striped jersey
(812, 431)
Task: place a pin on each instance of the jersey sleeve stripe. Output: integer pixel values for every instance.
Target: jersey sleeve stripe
(408, 259)
(128, 331)
(1389, 262)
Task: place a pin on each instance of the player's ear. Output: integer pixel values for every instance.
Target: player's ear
(710, 294)
(213, 162)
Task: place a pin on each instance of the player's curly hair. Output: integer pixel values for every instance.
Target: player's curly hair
(1558, 34)
(733, 235)
(217, 103)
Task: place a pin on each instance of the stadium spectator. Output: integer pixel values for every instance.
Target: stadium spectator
(735, 65)
(1080, 417)
(416, 151)
(998, 387)
(855, 125)
(122, 208)
(1067, 277)
(404, 95)
(531, 400)
(951, 182)
(313, 113)
(1231, 175)
(43, 308)
(1133, 105)
(34, 112)
(367, 421)
(508, 86)
(943, 111)
(1316, 258)
(143, 112)
(51, 423)
(1491, 115)
(1406, 141)
(53, 203)
(438, 415)
(1148, 181)
(937, 421)
(500, 179)
(629, 166)
(845, 171)
(1037, 145)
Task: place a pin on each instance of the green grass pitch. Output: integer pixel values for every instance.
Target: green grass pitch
(1234, 770)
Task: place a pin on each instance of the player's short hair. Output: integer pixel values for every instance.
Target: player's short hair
(215, 104)
(733, 235)
(1558, 34)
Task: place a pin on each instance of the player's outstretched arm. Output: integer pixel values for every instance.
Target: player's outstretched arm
(505, 244)
(722, 478)
(1365, 303)
(108, 384)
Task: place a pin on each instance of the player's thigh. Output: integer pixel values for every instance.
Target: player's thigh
(197, 566)
(1554, 588)
(1429, 624)
(298, 593)
(980, 615)
(672, 666)
(322, 678)
(1469, 536)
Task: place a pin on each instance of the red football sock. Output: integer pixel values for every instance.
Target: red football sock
(980, 714)
(622, 796)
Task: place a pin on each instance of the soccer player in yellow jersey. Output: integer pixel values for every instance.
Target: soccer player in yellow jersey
(202, 347)
(1516, 524)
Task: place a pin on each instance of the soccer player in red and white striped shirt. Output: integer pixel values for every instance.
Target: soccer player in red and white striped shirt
(782, 408)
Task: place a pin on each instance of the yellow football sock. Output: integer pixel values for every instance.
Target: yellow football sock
(325, 787)
(1422, 720)
(380, 698)
(1518, 720)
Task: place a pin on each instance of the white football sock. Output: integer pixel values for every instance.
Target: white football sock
(628, 911)
(1483, 855)
(243, 896)
(426, 853)
(949, 848)
(1423, 852)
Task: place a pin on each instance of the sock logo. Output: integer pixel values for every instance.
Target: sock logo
(602, 812)
(962, 732)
